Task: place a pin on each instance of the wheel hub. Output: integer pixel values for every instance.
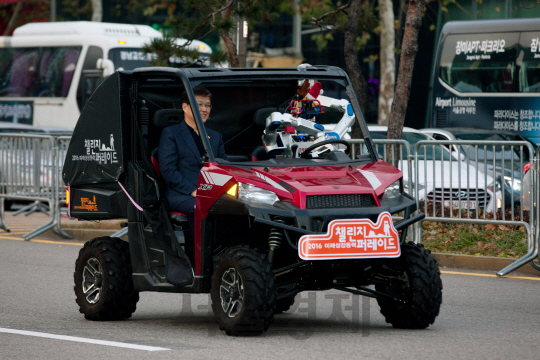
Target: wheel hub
(92, 282)
(231, 292)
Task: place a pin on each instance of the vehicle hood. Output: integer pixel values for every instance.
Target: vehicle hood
(295, 183)
(507, 170)
(443, 174)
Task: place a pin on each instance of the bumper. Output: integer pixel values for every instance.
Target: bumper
(312, 221)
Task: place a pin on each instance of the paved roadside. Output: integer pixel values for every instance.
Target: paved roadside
(82, 231)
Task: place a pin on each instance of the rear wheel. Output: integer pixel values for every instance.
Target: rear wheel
(243, 292)
(103, 280)
(419, 288)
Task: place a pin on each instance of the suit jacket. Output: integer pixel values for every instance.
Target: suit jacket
(180, 163)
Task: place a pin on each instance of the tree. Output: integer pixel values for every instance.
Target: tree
(195, 19)
(97, 10)
(387, 60)
(409, 49)
(352, 19)
(19, 12)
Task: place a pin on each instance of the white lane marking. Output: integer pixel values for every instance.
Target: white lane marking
(82, 340)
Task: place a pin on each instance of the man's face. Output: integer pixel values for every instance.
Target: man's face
(204, 104)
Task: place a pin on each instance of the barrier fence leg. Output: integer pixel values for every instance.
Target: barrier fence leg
(530, 256)
(27, 208)
(40, 230)
(58, 230)
(2, 216)
(120, 233)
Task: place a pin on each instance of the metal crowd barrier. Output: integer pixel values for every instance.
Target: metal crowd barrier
(453, 181)
(29, 167)
(478, 182)
(475, 182)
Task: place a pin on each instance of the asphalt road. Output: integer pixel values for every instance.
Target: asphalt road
(481, 318)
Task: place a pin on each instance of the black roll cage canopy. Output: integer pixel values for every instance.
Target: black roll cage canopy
(193, 77)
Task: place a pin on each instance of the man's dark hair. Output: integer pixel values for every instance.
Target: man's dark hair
(197, 90)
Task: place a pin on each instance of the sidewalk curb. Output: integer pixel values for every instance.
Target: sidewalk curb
(80, 234)
(474, 262)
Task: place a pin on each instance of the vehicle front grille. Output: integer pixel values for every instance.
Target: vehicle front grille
(478, 195)
(339, 201)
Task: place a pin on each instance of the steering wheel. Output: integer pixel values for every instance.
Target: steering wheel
(325, 142)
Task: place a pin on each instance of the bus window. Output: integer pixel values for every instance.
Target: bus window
(473, 63)
(37, 72)
(129, 58)
(132, 58)
(90, 76)
(529, 71)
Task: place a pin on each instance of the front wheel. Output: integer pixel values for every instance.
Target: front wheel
(103, 280)
(243, 292)
(419, 288)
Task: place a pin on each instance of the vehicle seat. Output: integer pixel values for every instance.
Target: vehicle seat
(162, 119)
(259, 153)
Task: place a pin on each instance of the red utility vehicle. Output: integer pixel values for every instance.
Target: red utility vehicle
(288, 211)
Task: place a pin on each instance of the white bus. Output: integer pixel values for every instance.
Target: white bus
(49, 70)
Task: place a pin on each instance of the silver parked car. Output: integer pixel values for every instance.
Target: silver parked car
(443, 178)
(506, 164)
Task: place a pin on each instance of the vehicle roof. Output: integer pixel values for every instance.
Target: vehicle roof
(56, 129)
(10, 125)
(488, 26)
(462, 130)
(93, 28)
(4, 125)
(310, 72)
(385, 128)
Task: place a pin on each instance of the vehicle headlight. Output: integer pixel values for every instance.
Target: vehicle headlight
(253, 194)
(494, 186)
(393, 191)
(513, 183)
(406, 186)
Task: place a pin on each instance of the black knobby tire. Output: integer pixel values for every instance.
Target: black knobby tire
(284, 304)
(422, 293)
(105, 263)
(253, 312)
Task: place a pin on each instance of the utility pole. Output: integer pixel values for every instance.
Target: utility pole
(52, 15)
(241, 41)
(297, 30)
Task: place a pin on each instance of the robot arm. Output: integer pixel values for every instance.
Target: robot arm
(348, 118)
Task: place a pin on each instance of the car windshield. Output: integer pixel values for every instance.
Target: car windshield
(427, 152)
(490, 153)
(272, 122)
(268, 117)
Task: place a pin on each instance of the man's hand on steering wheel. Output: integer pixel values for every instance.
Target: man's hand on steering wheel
(307, 152)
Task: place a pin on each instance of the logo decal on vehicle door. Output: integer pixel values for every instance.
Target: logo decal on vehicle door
(353, 239)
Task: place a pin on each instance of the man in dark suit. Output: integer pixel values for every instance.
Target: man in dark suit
(180, 155)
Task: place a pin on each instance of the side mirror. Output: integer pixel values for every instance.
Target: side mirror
(106, 65)
(458, 156)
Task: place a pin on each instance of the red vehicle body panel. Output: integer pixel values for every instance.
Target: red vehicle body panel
(306, 180)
